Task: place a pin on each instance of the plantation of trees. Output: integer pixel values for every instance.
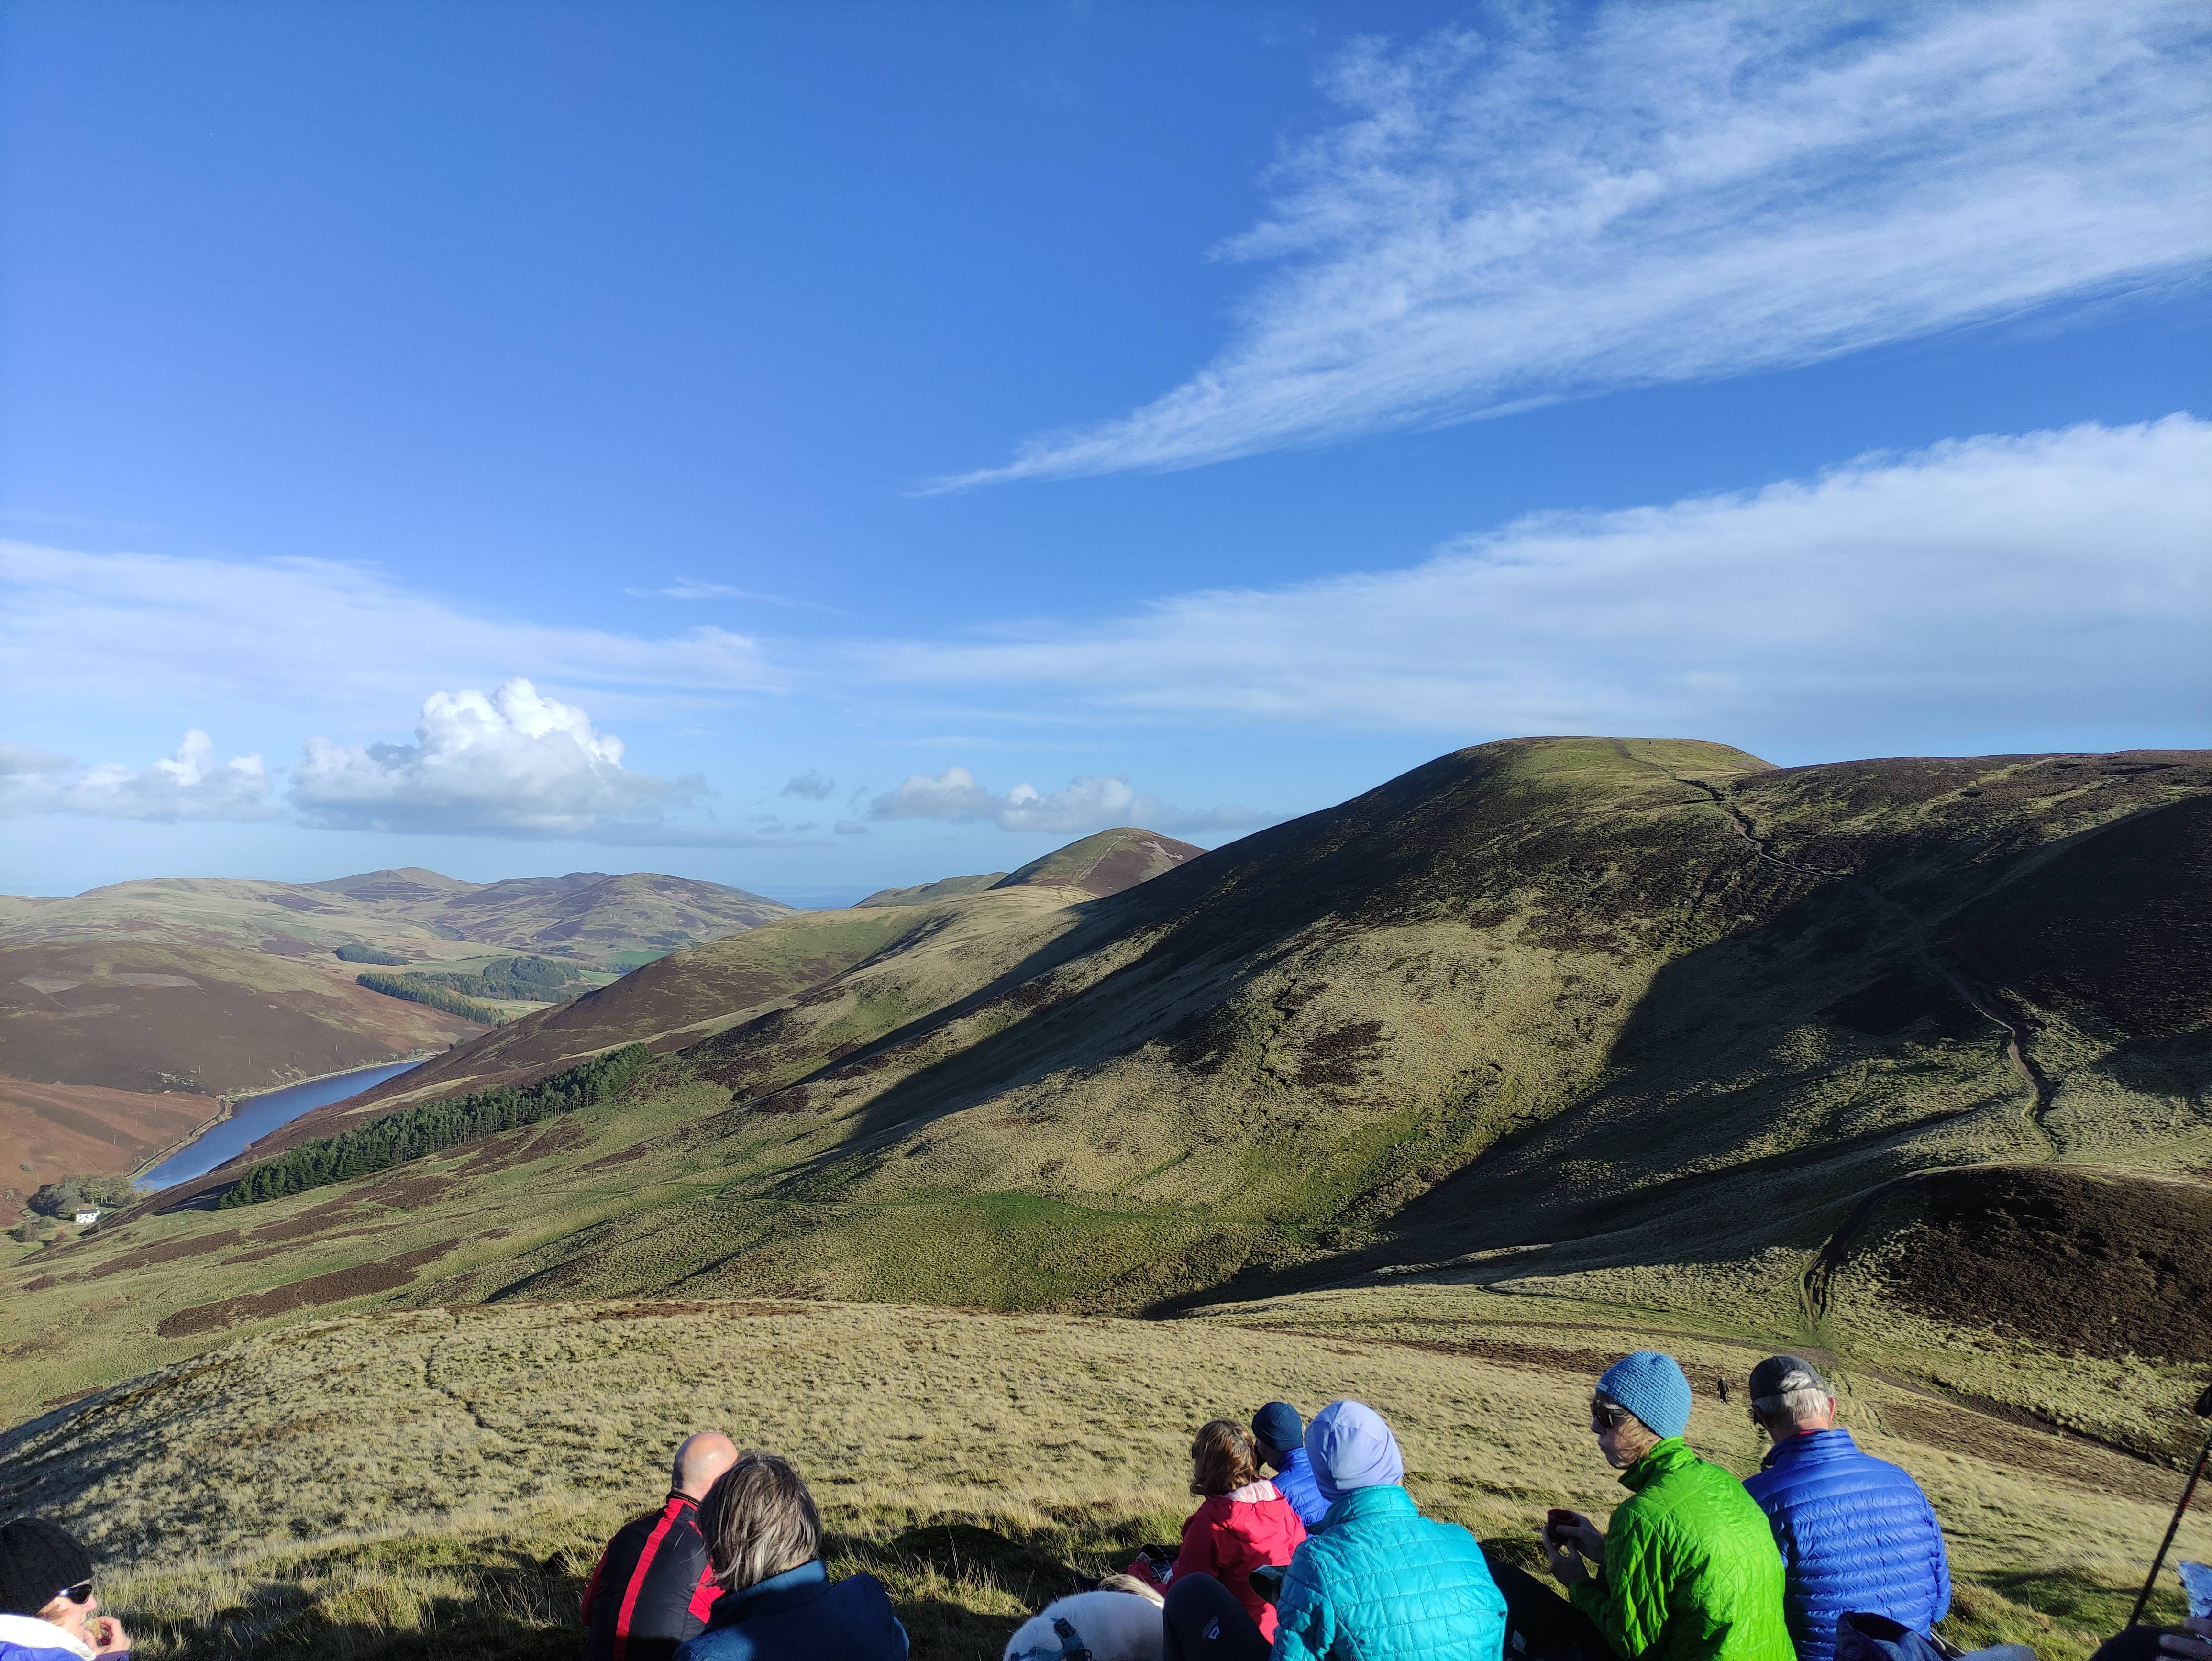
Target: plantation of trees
(522, 980)
(367, 954)
(413, 1132)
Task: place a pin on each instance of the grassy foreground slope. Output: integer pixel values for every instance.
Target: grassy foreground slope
(1624, 1023)
(440, 1481)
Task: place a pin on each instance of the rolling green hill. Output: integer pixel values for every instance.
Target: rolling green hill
(1618, 1023)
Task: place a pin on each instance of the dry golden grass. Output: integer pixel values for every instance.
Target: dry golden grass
(414, 1483)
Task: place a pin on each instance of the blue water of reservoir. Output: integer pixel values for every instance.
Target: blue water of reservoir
(257, 1116)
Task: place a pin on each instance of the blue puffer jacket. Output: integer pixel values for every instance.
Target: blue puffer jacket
(1295, 1483)
(799, 1616)
(1856, 1536)
(27, 1638)
(1378, 1581)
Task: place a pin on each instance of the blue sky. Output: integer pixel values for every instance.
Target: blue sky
(820, 447)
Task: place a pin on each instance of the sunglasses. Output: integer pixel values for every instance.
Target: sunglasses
(1607, 1415)
(79, 1593)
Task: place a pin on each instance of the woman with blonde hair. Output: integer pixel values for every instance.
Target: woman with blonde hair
(1244, 1524)
(778, 1601)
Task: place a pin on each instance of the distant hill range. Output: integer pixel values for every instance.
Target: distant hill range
(586, 915)
(1618, 1023)
(123, 1011)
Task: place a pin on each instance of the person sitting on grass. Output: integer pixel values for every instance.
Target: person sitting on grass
(1374, 1579)
(46, 1600)
(1855, 1533)
(653, 1585)
(1688, 1571)
(778, 1601)
(1280, 1436)
(1243, 1524)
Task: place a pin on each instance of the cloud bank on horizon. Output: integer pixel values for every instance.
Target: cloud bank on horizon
(2058, 580)
(1096, 802)
(1653, 194)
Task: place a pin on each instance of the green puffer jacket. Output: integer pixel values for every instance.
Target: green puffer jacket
(1377, 1581)
(1691, 1569)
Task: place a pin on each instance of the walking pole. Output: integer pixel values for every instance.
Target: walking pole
(2203, 1410)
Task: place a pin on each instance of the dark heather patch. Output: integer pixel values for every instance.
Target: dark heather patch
(1337, 1057)
(2107, 1266)
(1903, 998)
(166, 1251)
(337, 1287)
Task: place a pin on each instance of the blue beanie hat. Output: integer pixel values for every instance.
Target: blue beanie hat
(1350, 1447)
(1279, 1427)
(1652, 1386)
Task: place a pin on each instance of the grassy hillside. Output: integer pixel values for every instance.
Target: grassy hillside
(441, 1480)
(1626, 1024)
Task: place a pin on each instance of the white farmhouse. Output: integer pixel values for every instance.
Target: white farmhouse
(88, 1216)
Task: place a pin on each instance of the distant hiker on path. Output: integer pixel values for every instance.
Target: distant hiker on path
(778, 1601)
(1855, 1533)
(1280, 1436)
(1374, 1579)
(1688, 1571)
(653, 1585)
(1243, 1524)
(47, 1600)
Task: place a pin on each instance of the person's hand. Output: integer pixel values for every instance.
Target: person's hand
(106, 1635)
(1582, 1535)
(2194, 1644)
(1569, 1537)
(1566, 1563)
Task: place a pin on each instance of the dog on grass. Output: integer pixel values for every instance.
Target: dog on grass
(1113, 1626)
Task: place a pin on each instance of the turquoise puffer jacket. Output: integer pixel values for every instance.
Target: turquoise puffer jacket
(1377, 1581)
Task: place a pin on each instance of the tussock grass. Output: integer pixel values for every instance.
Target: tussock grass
(438, 1482)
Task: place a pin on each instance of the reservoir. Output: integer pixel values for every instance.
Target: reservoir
(255, 1117)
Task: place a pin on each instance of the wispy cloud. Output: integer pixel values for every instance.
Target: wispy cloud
(687, 588)
(327, 638)
(1096, 802)
(811, 785)
(1570, 203)
(2044, 582)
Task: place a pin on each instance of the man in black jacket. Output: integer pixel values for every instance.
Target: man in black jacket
(654, 1584)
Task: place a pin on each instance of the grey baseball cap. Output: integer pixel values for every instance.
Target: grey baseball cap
(1778, 1376)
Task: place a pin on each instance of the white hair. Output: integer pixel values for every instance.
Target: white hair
(1798, 1406)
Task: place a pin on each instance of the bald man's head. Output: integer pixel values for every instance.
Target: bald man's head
(701, 1460)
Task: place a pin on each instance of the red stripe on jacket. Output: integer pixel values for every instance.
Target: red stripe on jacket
(669, 1514)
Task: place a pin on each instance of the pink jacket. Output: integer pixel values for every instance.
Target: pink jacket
(1231, 1535)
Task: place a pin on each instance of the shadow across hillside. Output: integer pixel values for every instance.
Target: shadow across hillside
(1768, 1083)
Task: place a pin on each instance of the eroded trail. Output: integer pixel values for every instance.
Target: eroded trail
(1984, 1003)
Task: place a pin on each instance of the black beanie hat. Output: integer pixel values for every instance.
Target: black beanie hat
(37, 1561)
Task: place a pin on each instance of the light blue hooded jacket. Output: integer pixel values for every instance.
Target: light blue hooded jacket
(1376, 1580)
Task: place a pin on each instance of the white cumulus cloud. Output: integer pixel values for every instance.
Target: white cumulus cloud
(1576, 201)
(190, 784)
(1096, 802)
(513, 762)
